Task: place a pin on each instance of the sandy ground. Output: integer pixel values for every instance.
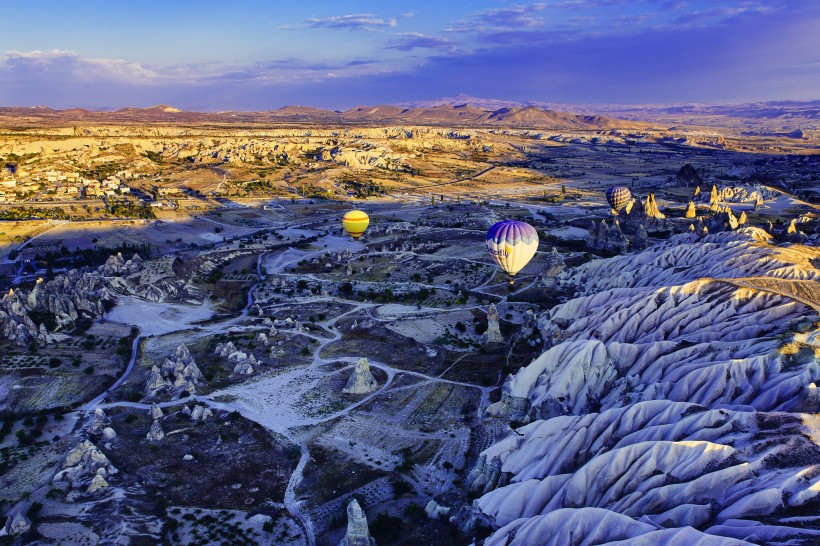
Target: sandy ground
(157, 318)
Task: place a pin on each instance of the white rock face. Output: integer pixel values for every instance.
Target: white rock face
(361, 380)
(16, 525)
(155, 412)
(493, 328)
(668, 408)
(747, 252)
(156, 433)
(179, 372)
(358, 533)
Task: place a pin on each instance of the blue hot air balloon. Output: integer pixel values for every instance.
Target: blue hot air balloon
(512, 244)
(618, 197)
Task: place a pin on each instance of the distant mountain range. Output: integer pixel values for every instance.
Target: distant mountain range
(753, 110)
(458, 111)
(461, 115)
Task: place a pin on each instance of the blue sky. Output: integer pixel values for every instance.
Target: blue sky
(257, 55)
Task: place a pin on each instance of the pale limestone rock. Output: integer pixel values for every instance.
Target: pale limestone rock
(17, 524)
(358, 533)
(243, 368)
(196, 413)
(156, 382)
(109, 433)
(97, 483)
(554, 264)
(714, 196)
(156, 433)
(641, 238)
(361, 381)
(99, 421)
(493, 328)
(435, 510)
(156, 412)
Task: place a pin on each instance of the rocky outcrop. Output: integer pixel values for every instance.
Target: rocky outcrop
(691, 211)
(83, 465)
(641, 238)
(673, 408)
(118, 266)
(713, 197)
(358, 534)
(607, 238)
(244, 363)
(493, 326)
(67, 298)
(361, 380)
(99, 421)
(687, 177)
(643, 212)
(722, 220)
(179, 373)
(156, 433)
(201, 413)
(155, 412)
(554, 264)
(16, 525)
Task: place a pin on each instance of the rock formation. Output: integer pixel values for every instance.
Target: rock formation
(670, 408)
(17, 524)
(651, 209)
(361, 380)
(493, 326)
(155, 412)
(687, 176)
(358, 533)
(179, 372)
(201, 413)
(156, 433)
(607, 238)
(554, 264)
(691, 212)
(83, 466)
(722, 220)
(641, 239)
(435, 510)
(714, 196)
(99, 421)
(67, 298)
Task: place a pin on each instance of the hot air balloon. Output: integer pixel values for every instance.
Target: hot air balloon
(618, 197)
(355, 223)
(512, 244)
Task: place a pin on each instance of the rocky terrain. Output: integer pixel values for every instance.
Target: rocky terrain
(194, 351)
(676, 403)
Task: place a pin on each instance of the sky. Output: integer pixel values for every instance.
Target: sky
(262, 55)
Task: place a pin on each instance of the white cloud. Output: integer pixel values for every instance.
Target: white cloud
(67, 63)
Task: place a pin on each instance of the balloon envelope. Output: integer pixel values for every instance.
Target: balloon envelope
(355, 223)
(618, 197)
(512, 244)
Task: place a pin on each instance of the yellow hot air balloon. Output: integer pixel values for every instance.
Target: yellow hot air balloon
(355, 223)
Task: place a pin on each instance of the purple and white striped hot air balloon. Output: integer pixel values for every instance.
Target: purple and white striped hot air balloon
(512, 244)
